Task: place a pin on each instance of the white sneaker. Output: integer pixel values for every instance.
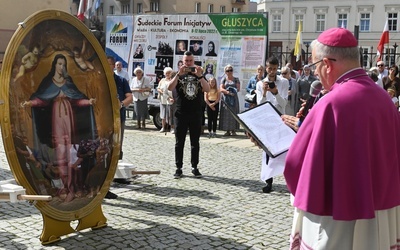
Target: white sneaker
(173, 131)
(162, 130)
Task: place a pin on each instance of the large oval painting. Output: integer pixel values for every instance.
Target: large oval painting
(61, 122)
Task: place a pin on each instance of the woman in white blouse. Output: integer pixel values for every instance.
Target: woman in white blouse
(166, 100)
(141, 87)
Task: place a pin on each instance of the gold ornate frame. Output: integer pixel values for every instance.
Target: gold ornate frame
(56, 32)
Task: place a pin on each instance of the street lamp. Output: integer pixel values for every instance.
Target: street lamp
(395, 51)
(287, 54)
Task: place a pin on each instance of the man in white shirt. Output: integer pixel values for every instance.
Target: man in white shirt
(120, 72)
(274, 89)
(278, 94)
(382, 70)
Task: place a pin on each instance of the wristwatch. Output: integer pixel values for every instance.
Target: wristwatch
(199, 78)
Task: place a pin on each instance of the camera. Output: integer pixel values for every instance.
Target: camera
(271, 84)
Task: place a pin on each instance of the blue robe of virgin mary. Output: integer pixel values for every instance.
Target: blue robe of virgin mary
(83, 122)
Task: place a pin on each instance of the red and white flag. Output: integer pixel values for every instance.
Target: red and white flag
(384, 40)
(81, 10)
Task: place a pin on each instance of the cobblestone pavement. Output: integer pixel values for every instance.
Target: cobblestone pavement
(225, 209)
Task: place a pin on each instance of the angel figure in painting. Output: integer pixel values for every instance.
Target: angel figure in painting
(82, 63)
(29, 61)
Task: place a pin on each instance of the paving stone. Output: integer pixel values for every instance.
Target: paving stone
(225, 209)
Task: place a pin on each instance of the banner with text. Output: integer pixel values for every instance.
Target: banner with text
(119, 32)
(216, 40)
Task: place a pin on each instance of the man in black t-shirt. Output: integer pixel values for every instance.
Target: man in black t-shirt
(189, 84)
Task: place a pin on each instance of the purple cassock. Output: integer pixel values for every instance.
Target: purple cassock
(345, 160)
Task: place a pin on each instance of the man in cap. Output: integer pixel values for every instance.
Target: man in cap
(345, 184)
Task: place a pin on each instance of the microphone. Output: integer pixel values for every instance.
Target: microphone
(315, 89)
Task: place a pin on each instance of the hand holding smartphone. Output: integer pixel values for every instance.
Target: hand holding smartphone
(190, 69)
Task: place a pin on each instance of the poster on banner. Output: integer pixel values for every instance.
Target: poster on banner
(159, 41)
(119, 38)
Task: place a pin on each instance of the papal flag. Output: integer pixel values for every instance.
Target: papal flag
(299, 41)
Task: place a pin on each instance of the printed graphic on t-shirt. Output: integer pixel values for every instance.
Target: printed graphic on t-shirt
(190, 86)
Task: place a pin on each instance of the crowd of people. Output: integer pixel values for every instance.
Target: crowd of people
(342, 169)
(342, 181)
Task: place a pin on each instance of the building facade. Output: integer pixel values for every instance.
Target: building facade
(365, 17)
(13, 12)
(133, 7)
(21, 9)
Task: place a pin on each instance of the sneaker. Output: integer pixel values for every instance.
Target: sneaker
(210, 135)
(172, 131)
(178, 173)
(227, 133)
(213, 135)
(111, 195)
(196, 173)
(162, 130)
(234, 133)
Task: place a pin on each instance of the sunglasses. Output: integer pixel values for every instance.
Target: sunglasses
(380, 65)
(229, 70)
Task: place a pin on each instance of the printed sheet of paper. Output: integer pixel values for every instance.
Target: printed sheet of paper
(264, 123)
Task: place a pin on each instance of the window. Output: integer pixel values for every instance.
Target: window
(126, 9)
(320, 22)
(235, 9)
(197, 8)
(365, 21)
(210, 8)
(112, 10)
(342, 20)
(276, 23)
(154, 6)
(222, 9)
(139, 8)
(298, 19)
(392, 21)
